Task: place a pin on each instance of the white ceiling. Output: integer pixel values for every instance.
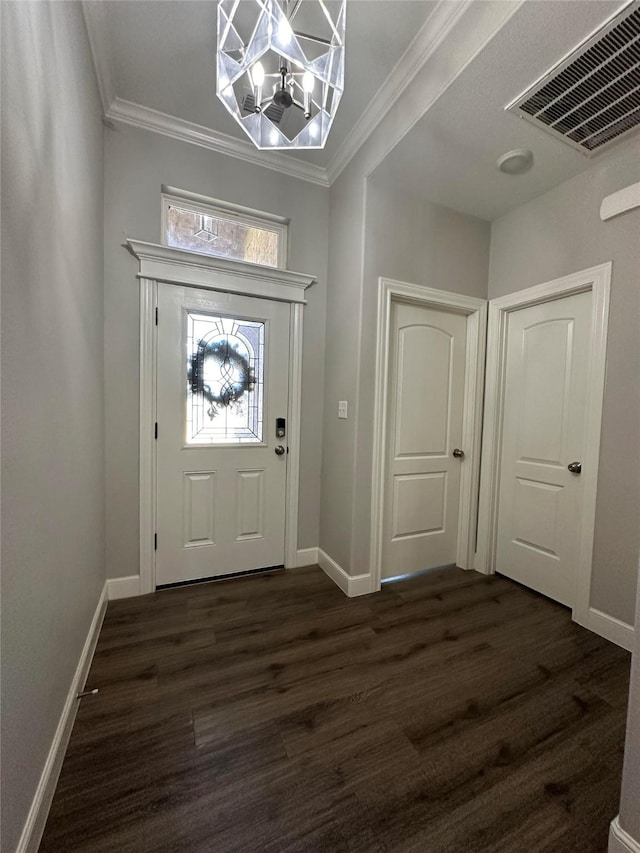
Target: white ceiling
(162, 55)
(450, 155)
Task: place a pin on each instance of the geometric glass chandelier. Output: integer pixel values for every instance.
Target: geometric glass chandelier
(280, 68)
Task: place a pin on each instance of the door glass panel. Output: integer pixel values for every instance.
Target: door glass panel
(225, 380)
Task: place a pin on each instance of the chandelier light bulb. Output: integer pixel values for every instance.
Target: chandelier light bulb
(308, 81)
(285, 32)
(257, 72)
(281, 82)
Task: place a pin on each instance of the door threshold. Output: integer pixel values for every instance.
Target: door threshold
(417, 573)
(221, 577)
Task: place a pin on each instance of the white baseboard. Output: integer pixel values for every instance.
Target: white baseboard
(39, 811)
(306, 557)
(123, 587)
(620, 841)
(618, 632)
(351, 586)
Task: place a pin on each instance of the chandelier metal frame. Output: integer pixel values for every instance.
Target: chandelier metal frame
(278, 68)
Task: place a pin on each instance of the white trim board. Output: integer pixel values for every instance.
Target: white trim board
(597, 281)
(306, 557)
(175, 266)
(351, 585)
(620, 202)
(428, 38)
(612, 629)
(41, 803)
(294, 413)
(194, 269)
(146, 118)
(127, 587)
(390, 291)
(96, 24)
(620, 841)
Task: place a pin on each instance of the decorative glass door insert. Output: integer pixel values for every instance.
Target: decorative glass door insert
(225, 380)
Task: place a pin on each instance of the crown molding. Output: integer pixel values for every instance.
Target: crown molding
(421, 104)
(177, 128)
(97, 31)
(432, 33)
(117, 109)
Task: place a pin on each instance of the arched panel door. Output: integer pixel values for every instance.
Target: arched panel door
(543, 439)
(425, 411)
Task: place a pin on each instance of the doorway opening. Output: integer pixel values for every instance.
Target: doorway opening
(201, 280)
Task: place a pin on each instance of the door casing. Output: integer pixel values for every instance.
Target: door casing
(475, 310)
(597, 281)
(176, 266)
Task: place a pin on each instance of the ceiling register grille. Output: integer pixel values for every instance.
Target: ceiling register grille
(592, 97)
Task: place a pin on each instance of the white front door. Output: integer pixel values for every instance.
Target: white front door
(424, 427)
(222, 388)
(540, 498)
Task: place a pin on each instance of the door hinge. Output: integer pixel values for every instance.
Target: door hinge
(155, 541)
(156, 315)
(155, 430)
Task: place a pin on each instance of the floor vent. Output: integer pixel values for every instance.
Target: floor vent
(591, 98)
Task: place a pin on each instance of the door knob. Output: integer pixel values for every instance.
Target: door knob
(575, 467)
(459, 454)
(279, 450)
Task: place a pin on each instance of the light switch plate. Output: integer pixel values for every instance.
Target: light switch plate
(342, 409)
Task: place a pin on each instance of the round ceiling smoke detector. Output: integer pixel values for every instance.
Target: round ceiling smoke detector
(516, 162)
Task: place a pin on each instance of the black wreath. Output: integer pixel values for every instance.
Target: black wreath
(230, 391)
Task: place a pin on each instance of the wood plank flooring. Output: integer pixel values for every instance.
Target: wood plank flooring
(449, 712)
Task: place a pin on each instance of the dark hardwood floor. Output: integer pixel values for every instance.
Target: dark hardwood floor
(449, 712)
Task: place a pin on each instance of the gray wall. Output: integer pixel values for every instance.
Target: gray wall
(346, 460)
(557, 234)
(341, 365)
(138, 162)
(407, 239)
(52, 382)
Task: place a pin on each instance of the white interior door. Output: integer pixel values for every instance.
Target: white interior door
(545, 396)
(424, 426)
(223, 373)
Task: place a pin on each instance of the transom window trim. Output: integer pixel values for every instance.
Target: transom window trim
(212, 212)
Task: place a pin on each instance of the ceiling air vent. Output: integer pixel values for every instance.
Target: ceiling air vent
(591, 98)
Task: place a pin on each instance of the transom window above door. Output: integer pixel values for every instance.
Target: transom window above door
(192, 222)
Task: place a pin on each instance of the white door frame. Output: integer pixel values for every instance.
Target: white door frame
(191, 269)
(597, 281)
(390, 291)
